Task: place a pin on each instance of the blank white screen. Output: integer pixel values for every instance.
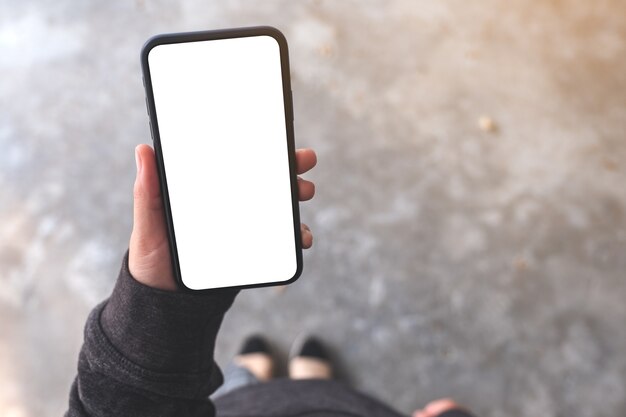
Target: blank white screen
(221, 119)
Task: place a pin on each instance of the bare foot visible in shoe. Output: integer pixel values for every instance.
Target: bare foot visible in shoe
(255, 356)
(311, 361)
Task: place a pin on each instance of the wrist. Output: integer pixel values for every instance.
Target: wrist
(151, 266)
(165, 331)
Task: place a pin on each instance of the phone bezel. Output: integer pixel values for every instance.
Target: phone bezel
(186, 37)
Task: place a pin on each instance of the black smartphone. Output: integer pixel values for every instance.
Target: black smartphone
(221, 117)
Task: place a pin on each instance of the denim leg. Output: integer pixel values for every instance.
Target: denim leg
(234, 377)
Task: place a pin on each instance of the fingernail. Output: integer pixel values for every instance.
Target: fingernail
(137, 160)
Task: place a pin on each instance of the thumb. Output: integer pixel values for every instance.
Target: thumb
(148, 254)
(148, 209)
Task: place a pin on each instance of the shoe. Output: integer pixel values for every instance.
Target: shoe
(310, 361)
(254, 344)
(256, 357)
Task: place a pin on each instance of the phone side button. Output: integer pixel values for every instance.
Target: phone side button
(151, 132)
(147, 107)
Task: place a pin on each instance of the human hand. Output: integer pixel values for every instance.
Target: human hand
(148, 254)
(437, 407)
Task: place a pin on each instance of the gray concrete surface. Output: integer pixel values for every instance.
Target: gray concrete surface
(449, 261)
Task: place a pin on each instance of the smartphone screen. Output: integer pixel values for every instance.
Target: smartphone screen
(221, 118)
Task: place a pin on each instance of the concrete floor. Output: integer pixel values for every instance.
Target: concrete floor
(450, 260)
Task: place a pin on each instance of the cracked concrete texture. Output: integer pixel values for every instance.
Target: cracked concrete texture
(449, 261)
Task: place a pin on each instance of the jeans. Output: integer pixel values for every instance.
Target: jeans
(235, 377)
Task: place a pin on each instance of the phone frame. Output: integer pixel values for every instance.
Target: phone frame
(185, 37)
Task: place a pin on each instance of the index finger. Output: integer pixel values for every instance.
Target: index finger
(305, 160)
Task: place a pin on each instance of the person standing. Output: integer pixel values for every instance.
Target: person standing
(148, 349)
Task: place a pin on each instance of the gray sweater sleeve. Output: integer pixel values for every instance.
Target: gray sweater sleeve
(149, 352)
